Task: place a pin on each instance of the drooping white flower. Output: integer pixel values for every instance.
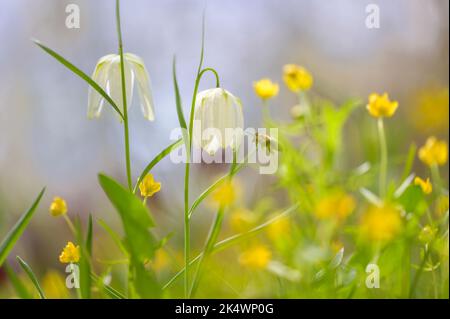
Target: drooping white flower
(107, 74)
(218, 120)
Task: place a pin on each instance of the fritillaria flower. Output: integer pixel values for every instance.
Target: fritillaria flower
(108, 75)
(218, 120)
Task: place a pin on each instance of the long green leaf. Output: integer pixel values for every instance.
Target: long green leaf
(214, 186)
(178, 103)
(81, 74)
(32, 276)
(18, 285)
(14, 234)
(156, 160)
(89, 236)
(234, 240)
(110, 291)
(135, 218)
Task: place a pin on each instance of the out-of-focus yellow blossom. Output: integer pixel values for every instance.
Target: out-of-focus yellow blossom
(434, 152)
(279, 228)
(427, 234)
(257, 256)
(442, 204)
(337, 205)
(381, 223)
(148, 186)
(430, 114)
(381, 106)
(242, 220)
(161, 260)
(70, 254)
(265, 88)
(58, 207)
(297, 78)
(426, 185)
(225, 194)
(54, 285)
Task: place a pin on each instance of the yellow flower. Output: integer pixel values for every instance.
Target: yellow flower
(434, 152)
(70, 254)
(54, 285)
(241, 220)
(430, 112)
(225, 194)
(58, 207)
(148, 186)
(297, 78)
(161, 259)
(337, 205)
(426, 186)
(265, 88)
(279, 228)
(381, 223)
(381, 106)
(257, 257)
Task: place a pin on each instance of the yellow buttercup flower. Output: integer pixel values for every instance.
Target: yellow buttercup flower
(58, 207)
(297, 78)
(54, 285)
(161, 260)
(381, 223)
(265, 88)
(430, 110)
(279, 228)
(434, 152)
(381, 106)
(426, 185)
(148, 186)
(242, 220)
(257, 257)
(70, 254)
(225, 194)
(337, 205)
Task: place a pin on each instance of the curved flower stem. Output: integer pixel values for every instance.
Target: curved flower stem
(124, 99)
(213, 234)
(384, 158)
(187, 236)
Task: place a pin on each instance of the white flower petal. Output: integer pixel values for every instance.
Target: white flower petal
(100, 76)
(219, 121)
(114, 82)
(143, 81)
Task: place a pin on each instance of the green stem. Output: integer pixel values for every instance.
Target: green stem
(124, 99)
(384, 158)
(213, 234)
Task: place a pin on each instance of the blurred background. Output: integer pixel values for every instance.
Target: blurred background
(46, 139)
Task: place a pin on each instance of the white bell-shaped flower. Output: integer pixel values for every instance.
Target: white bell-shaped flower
(218, 120)
(107, 74)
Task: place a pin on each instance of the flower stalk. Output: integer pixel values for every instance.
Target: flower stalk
(383, 159)
(124, 99)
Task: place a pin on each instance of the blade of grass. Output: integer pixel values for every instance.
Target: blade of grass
(89, 236)
(81, 74)
(221, 245)
(14, 234)
(18, 285)
(31, 275)
(110, 291)
(156, 160)
(215, 185)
